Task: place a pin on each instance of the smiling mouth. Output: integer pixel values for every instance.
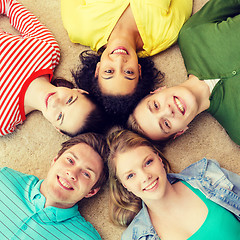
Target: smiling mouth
(151, 186)
(180, 105)
(47, 98)
(64, 183)
(120, 50)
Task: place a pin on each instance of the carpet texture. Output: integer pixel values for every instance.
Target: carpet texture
(31, 148)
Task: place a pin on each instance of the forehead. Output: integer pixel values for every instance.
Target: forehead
(132, 158)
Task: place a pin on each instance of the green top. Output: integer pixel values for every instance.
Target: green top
(217, 218)
(210, 45)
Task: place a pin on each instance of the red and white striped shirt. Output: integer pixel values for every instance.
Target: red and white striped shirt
(23, 58)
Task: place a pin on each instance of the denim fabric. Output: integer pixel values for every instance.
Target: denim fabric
(216, 183)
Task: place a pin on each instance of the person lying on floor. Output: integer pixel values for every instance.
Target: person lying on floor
(209, 43)
(48, 209)
(27, 64)
(201, 202)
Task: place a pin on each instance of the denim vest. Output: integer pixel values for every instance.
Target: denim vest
(216, 183)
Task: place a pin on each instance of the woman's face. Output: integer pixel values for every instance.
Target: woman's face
(141, 171)
(166, 112)
(118, 70)
(67, 109)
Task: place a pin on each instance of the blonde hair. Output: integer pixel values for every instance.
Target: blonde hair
(124, 205)
(133, 125)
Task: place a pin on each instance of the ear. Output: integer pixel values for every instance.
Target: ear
(92, 192)
(54, 160)
(97, 69)
(82, 91)
(59, 130)
(160, 159)
(140, 70)
(180, 132)
(158, 89)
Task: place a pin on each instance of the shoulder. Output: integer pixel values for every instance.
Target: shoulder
(84, 229)
(140, 227)
(16, 178)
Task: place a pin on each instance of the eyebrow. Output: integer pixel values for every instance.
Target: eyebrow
(128, 78)
(75, 99)
(88, 168)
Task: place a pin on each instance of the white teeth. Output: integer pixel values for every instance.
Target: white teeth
(151, 186)
(179, 104)
(65, 184)
(120, 51)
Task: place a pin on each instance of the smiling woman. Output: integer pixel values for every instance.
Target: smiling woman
(25, 81)
(156, 204)
(122, 32)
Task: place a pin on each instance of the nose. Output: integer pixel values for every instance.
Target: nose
(165, 111)
(146, 176)
(72, 175)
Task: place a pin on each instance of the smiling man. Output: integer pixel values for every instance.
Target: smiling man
(48, 209)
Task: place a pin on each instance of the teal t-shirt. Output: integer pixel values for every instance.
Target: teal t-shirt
(218, 218)
(210, 46)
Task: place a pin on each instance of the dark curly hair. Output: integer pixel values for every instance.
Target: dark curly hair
(117, 107)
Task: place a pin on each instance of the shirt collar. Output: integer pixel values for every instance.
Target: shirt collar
(50, 214)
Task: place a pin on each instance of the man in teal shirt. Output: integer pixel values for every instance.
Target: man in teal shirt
(210, 46)
(47, 209)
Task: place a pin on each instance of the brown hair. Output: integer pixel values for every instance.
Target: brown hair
(99, 145)
(124, 205)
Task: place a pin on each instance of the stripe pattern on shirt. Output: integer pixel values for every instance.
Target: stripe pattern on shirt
(22, 58)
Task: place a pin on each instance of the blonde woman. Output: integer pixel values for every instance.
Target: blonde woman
(201, 202)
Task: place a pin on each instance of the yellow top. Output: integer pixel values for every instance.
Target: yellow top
(90, 22)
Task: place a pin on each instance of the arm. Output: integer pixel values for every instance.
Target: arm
(27, 24)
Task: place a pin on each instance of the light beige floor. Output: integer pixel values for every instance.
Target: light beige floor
(31, 148)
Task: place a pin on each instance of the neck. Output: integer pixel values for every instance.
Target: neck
(35, 94)
(165, 202)
(168, 205)
(200, 90)
(50, 199)
(127, 30)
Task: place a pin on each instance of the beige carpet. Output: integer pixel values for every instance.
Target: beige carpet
(31, 148)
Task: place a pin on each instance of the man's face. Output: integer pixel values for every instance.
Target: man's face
(72, 176)
(166, 112)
